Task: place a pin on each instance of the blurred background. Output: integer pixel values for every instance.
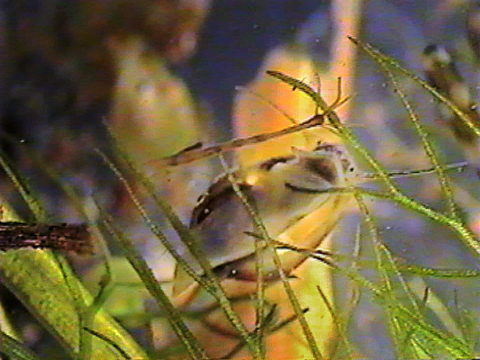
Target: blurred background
(166, 74)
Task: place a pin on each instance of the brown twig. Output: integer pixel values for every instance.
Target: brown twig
(185, 157)
(15, 235)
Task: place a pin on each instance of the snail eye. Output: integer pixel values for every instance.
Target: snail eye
(219, 194)
(205, 212)
(205, 208)
(226, 271)
(232, 273)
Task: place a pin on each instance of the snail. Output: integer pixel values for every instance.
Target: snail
(290, 194)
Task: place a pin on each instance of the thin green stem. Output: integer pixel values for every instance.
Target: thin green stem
(426, 142)
(394, 194)
(154, 288)
(288, 289)
(376, 54)
(210, 282)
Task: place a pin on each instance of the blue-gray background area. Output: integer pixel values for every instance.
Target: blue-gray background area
(235, 38)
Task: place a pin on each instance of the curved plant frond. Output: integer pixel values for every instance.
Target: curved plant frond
(412, 333)
(49, 289)
(394, 193)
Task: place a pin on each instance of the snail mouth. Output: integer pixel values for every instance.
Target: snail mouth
(306, 190)
(318, 188)
(319, 175)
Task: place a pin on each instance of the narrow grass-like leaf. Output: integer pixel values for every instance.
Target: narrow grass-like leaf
(153, 227)
(114, 345)
(400, 263)
(463, 232)
(468, 324)
(437, 273)
(36, 277)
(424, 332)
(260, 244)
(154, 288)
(191, 241)
(336, 123)
(338, 324)
(15, 349)
(53, 174)
(391, 62)
(399, 324)
(395, 327)
(87, 315)
(271, 329)
(434, 339)
(276, 259)
(426, 142)
(22, 186)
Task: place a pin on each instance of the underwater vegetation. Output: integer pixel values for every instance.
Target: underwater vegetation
(322, 221)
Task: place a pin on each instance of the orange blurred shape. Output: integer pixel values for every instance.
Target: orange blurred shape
(254, 115)
(153, 113)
